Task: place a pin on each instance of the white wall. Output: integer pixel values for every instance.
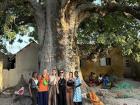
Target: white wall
(26, 63)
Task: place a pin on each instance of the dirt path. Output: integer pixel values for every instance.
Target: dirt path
(13, 100)
(133, 93)
(6, 101)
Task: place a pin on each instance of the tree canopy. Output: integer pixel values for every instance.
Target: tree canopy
(113, 30)
(114, 23)
(15, 18)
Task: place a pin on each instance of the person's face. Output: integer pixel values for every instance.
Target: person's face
(53, 72)
(70, 74)
(39, 76)
(61, 73)
(76, 74)
(35, 75)
(44, 72)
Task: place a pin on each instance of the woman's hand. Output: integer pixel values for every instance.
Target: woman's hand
(78, 85)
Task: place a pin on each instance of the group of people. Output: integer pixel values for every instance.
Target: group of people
(54, 89)
(97, 80)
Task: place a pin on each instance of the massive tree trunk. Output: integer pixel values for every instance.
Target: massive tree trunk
(46, 19)
(48, 46)
(57, 36)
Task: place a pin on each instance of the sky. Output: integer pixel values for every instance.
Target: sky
(98, 2)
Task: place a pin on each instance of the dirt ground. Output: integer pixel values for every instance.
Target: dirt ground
(11, 101)
(108, 97)
(5, 101)
(127, 94)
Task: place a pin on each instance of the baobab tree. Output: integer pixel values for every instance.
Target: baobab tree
(57, 22)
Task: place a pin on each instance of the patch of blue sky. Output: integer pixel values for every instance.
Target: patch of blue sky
(97, 2)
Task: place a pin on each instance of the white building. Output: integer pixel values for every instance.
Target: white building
(26, 61)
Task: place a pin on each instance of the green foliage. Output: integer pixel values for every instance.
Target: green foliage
(7, 28)
(130, 2)
(113, 30)
(14, 20)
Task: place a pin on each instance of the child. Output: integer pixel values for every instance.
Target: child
(100, 79)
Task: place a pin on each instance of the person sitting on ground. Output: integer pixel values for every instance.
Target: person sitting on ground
(106, 81)
(92, 77)
(99, 80)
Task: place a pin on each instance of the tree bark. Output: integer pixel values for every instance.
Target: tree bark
(48, 38)
(57, 36)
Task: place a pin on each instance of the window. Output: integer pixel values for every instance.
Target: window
(82, 63)
(108, 61)
(127, 63)
(11, 63)
(105, 61)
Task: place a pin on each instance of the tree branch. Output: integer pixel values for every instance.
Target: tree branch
(110, 7)
(38, 16)
(35, 4)
(3, 6)
(63, 3)
(24, 20)
(133, 10)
